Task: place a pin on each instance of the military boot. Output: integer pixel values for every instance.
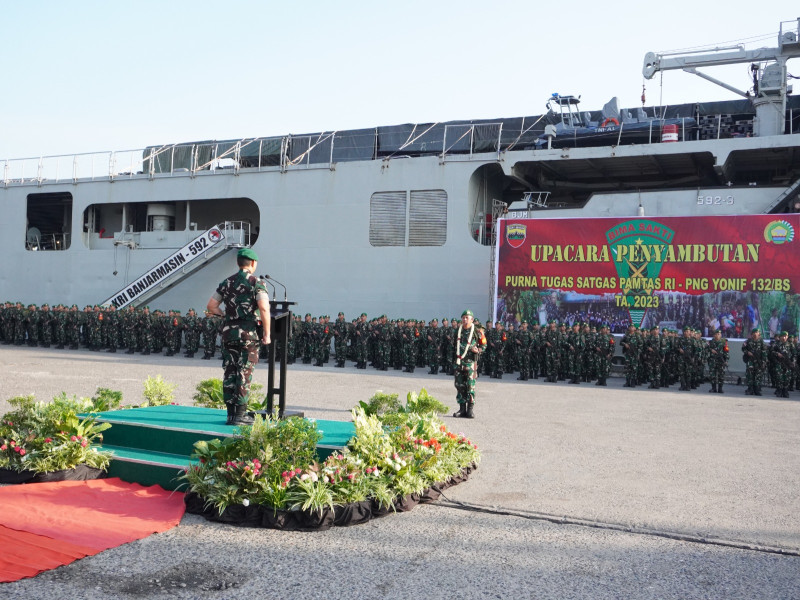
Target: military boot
(469, 414)
(231, 413)
(462, 410)
(241, 416)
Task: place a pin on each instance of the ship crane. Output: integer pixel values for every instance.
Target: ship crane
(771, 87)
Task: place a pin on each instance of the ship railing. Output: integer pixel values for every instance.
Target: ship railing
(462, 142)
(237, 234)
(535, 200)
(458, 142)
(47, 242)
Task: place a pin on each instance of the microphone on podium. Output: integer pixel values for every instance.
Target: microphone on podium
(285, 294)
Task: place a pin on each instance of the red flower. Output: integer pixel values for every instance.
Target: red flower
(84, 443)
(48, 440)
(22, 451)
(3, 447)
(73, 439)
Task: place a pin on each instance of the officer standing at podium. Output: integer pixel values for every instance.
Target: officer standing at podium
(246, 302)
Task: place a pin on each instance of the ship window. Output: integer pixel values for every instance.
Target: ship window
(427, 218)
(49, 221)
(415, 218)
(387, 219)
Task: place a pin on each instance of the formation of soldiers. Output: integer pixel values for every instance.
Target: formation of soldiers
(105, 328)
(405, 344)
(556, 352)
(582, 354)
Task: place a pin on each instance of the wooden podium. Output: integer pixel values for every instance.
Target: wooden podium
(281, 323)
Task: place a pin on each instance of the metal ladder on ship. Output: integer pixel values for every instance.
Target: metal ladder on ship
(196, 254)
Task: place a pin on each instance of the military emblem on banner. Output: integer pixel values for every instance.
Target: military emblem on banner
(779, 232)
(215, 235)
(632, 268)
(515, 234)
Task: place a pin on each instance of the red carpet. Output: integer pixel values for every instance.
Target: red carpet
(46, 525)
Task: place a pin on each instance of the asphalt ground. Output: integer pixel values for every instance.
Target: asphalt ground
(582, 492)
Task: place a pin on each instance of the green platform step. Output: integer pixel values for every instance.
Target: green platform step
(151, 446)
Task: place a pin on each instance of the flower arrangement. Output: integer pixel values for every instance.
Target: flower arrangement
(393, 456)
(42, 437)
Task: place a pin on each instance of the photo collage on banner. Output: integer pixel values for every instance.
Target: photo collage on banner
(731, 273)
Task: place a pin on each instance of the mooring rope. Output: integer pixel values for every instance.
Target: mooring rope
(596, 524)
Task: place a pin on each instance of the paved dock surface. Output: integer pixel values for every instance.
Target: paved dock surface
(662, 494)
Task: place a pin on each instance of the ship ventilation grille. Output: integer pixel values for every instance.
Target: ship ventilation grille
(427, 218)
(387, 219)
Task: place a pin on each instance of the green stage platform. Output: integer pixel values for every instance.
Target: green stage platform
(152, 445)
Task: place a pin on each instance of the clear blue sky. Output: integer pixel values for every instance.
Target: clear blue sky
(91, 76)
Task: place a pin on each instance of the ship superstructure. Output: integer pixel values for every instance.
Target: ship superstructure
(395, 219)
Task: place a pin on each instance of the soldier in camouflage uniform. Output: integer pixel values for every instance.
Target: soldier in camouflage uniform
(46, 326)
(536, 352)
(685, 350)
(291, 344)
(754, 354)
(551, 341)
(128, 321)
(630, 349)
(509, 362)
(59, 326)
(397, 344)
(18, 320)
(72, 327)
(304, 341)
(496, 349)
(411, 335)
(383, 344)
(340, 340)
(433, 339)
(717, 356)
(322, 334)
(246, 301)
(360, 333)
(470, 341)
(446, 341)
(780, 354)
(522, 347)
(32, 318)
(192, 327)
(209, 336)
(604, 352)
(8, 323)
(144, 331)
(589, 355)
(576, 344)
(653, 356)
(110, 328)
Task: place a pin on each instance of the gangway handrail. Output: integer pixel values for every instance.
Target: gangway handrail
(165, 273)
